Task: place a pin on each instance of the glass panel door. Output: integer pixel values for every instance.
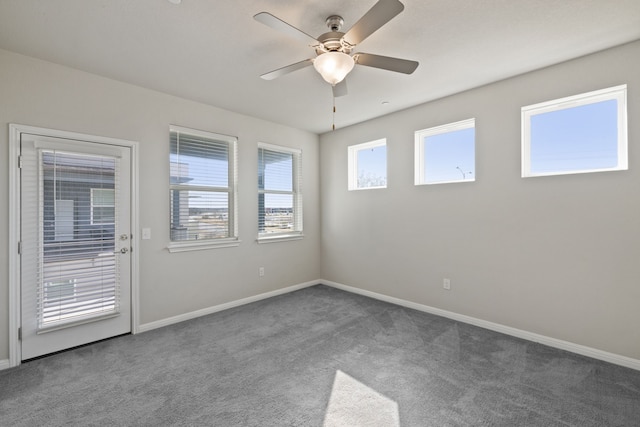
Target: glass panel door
(76, 246)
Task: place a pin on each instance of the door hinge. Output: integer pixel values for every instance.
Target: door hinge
(20, 248)
(19, 334)
(20, 161)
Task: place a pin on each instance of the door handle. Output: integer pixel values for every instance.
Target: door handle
(124, 250)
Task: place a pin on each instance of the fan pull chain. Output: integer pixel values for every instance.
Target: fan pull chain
(333, 126)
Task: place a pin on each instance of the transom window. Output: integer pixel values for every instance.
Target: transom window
(577, 134)
(446, 154)
(279, 192)
(367, 165)
(202, 188)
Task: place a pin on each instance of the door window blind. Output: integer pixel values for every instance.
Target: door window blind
(77, 268)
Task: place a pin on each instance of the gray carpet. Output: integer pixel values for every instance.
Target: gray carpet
(315, 357)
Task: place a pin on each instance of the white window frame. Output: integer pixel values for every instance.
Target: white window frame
(95, 205)
(419, 150)
(352, 164)
(618, 93)
(297, 230)
(233, 240)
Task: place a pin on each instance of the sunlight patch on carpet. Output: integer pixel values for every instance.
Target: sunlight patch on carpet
(354, 404)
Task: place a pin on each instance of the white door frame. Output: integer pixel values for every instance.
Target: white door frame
(15, 131)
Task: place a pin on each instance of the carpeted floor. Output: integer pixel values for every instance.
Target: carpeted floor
(315, 357)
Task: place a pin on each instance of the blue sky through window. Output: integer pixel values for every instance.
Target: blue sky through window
(278, 174)
(578, 138)
(372, 167)
(201, 170)
(449, 156)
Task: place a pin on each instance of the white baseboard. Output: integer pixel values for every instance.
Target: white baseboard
(4, 364)
(507, 330)
(216, 308)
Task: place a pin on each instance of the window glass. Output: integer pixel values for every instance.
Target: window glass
(202, 186)
(279, 194)
(445, 154)
(102, 206)
(367, 165)
(583, 133)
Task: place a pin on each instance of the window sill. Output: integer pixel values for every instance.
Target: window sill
(201, 246)
(279, 238)
(379, 187)
(457, 181)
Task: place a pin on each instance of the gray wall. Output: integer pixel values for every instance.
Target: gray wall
(43, 94)
(557, 256)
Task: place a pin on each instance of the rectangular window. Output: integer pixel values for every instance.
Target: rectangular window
(577, 134)
(202, 189)
(64, 223)
(103, 204)
(59, 293)
(367, 165)
(446, 154)
(279, 192)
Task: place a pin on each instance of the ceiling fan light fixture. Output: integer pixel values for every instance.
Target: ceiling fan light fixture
(333, 66)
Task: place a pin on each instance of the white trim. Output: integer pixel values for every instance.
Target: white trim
(618, 93)
(186, 246)
(352, 163)
(204, 134)
(15, 130)
(270, 238)
(14, 237)
(281, 148)
(507, 330)
(225, 306)
(135, 238)
(616, 359)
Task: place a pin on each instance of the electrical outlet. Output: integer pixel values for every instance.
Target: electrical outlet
(261, 271)
(446, 284)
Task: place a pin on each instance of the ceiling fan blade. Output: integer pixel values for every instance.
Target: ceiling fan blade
(381, 13)
(340, 89)
(286, 70)
(386, 62)
(278, 24)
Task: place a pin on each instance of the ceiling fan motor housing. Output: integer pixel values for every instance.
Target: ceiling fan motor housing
(332, 42)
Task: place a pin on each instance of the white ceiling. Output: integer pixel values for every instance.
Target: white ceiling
(213, 51)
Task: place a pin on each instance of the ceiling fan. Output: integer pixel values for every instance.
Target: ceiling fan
(333, 49)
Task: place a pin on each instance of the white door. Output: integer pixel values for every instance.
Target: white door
(75, 250)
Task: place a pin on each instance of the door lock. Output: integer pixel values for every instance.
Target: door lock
(124, 250)
(124, 236)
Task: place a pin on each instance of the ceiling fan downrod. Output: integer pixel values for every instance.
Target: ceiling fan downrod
(335, 22)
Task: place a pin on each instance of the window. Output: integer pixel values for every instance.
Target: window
(578, 134)
(63, 291)
(446, 154)
(367, 166)
(102, 206)
(202, 189)
(279, 193)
